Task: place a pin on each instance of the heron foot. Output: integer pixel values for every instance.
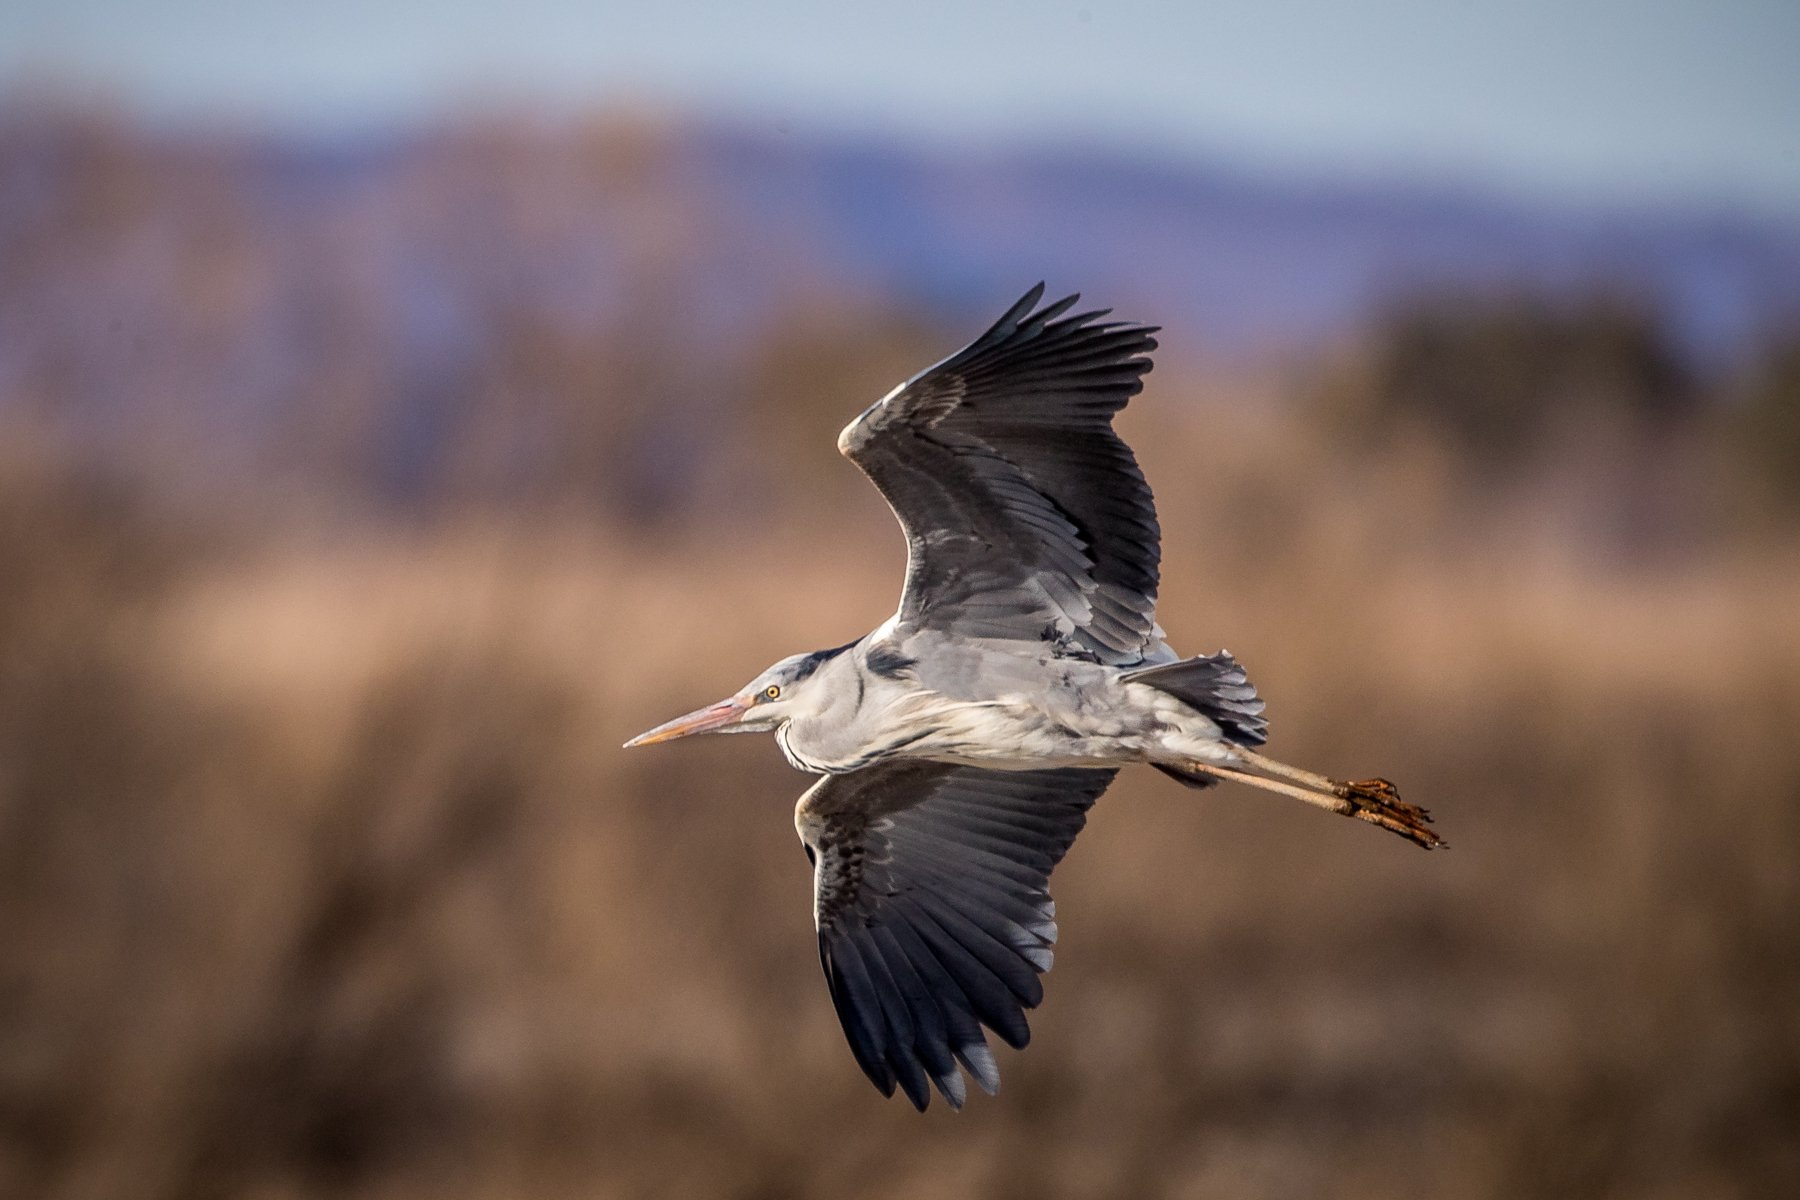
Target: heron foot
(1378, 802)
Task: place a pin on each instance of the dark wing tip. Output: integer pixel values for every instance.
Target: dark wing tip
(1017, 315)
(859, 1014)
(957, 934)
(1020, 309)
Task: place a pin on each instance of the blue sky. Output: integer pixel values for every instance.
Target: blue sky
(1643, 103)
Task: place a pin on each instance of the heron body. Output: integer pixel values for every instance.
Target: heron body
(996, 704)
(962, 742)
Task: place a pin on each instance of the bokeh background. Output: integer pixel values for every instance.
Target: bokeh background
(400, 406)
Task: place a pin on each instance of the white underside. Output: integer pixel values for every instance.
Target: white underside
(1010, 734)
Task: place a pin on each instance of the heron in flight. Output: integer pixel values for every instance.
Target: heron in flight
(962, 742)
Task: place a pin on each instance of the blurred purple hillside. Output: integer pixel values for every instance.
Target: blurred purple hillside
(336, 301)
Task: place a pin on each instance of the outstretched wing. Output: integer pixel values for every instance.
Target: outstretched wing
(930, 896)
(1025, 515)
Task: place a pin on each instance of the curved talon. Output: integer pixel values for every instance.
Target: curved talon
(1378, 802)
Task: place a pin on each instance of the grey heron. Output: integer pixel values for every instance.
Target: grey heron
(962, 742)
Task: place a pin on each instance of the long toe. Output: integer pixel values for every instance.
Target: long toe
(1378, 802)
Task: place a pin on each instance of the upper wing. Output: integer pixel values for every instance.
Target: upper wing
(1025, 515)
(930, 897)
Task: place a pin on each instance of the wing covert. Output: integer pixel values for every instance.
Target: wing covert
(930, 890)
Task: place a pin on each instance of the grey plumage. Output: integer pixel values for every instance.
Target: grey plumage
(1024, 513)
(933, 910)
(1217, 686)
(963, 741)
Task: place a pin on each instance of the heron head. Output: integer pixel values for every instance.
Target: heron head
(779, 694)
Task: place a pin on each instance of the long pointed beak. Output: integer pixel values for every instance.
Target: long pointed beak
(701, 720)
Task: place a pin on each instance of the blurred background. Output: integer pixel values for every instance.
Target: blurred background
(401, 406)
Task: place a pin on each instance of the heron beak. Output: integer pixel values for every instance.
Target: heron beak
(701, 720)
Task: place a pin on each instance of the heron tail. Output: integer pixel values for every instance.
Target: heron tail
(1216, 686)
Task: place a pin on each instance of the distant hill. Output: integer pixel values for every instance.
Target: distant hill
(1233, 262)
(481, 297)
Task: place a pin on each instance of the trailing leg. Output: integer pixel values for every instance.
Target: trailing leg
(1373, 800)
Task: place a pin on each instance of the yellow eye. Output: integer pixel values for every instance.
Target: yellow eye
(771, 691)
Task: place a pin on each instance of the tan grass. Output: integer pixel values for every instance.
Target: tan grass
(325, 876)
